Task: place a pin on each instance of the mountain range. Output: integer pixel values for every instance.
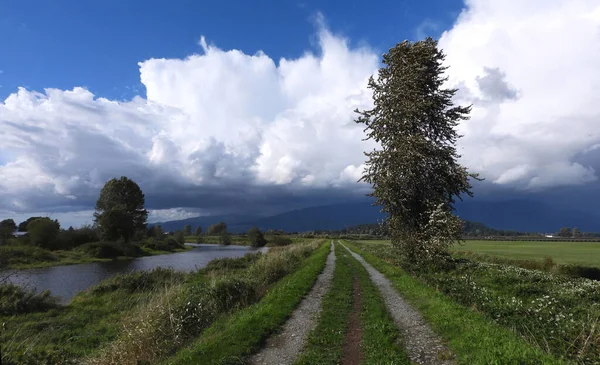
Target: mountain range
(517, 215)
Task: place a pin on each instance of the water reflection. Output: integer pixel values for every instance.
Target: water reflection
(66, 281)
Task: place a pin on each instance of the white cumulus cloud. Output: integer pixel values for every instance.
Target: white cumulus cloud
(530, 69)
(222, 119)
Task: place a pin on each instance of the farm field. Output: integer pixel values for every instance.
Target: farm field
(574, 253)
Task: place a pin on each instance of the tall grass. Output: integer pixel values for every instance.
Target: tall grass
(43, 333)
(180, 312)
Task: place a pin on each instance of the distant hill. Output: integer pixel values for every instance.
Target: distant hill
(512, 215)
(526, 216)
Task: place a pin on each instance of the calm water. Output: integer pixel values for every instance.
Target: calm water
(66, 281)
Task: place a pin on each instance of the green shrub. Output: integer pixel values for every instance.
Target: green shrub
(225, 238)
(169, 244)
(24, 254)
(16, 300)
(140, 281)
(256, 237)
(577, 271)
(107, 250)
(280, 241)
(233, 263)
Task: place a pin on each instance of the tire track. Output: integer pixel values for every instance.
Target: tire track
(284, 347)
(422, 344)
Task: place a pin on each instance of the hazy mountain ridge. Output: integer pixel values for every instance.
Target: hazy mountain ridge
(515, 215)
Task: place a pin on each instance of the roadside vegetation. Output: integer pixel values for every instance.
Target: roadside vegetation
(554, 314)
(233, 338)
(140, 317)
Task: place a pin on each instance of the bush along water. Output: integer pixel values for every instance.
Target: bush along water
(557, 313)
(181, 312)
(18, 300)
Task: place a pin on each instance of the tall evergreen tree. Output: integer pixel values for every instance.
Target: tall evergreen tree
(415, 173)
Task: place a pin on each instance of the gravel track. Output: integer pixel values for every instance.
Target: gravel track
(285, 347)
(422, 344)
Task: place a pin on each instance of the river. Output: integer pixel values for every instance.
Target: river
(67, 280)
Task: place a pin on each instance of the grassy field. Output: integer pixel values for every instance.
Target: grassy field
(575, 253)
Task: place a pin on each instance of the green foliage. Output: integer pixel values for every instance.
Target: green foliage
(156, 232)
(216, 229)
(165, 244)
(171, 320)
(120, 209)
(187, 230)
(480, 229)
(68, 334)
(17, 300)
(140, 281)
(232, 338)
(18, 254)
(256, 237)
(44, 232)
(415, 175)
(224, 238)
(23, 225)
(233, 263)
(70, 238)
(106, 250)
(280, 241)
(565, 232)
(198, 231)
(180, 237)
(577, 233)
(7, 229)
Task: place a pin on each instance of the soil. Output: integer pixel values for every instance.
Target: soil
(352, 353)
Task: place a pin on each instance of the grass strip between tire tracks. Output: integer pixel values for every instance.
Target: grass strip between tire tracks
(325, 342)
(380, 337)
(232, 338)
(472, 337)
(381, 342)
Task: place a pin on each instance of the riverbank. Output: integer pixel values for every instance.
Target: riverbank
(243, 240)
(21, 257)
(145, 316)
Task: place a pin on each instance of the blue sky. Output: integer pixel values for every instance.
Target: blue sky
(97, 44)
(91, 90)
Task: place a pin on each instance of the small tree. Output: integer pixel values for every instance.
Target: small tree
(198, 231)
(43, 232)
(180, 237)
(217, 229)
(577, 233)
(7, 229)
(23, 225)
(415, 174)
(256, 237)
(565, 232)
(224, 238)
(187, 230)
(120, 210)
